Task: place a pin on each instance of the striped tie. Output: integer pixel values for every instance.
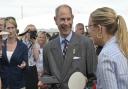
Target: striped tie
(65, 42)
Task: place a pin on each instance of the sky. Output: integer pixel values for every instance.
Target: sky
(41, 12)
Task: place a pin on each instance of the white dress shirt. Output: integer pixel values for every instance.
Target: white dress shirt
(68, 38)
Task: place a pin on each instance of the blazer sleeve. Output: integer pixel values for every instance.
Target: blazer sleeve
(91, 60)
(45, 61)
(25, 54)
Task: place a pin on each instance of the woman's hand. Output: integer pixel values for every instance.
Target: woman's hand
(36, 53)
(22, 65)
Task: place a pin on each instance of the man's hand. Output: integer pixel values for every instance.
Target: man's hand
(42, 85)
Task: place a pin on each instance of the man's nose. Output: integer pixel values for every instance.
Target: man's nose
(66, 21)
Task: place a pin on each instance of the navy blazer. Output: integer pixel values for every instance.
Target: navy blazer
(12, 76)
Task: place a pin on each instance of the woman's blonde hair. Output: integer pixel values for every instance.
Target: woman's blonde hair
(11, 20)
(115, 25)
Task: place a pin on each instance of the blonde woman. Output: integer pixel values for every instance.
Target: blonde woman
(38, 54)
(14, 58)
(29, 38)
(109, 30)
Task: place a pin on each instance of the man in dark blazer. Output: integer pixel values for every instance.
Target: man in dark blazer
(80, 53)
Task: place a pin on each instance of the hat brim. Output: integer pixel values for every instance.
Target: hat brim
(23, 33)
(4, 33)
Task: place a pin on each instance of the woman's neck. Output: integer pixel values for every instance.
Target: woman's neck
(107, 38)
(41, 46)
(11, 40)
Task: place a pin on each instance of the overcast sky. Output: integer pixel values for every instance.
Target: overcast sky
(41, 12)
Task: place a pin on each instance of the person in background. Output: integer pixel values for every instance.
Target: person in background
(68, 52)
(0, 54)
(1, 29)
(2, 23)
(48, 36)
(109, 30)
(41, 40)
(29, 38)
(79, 29)
(14, 58)
(54, 35)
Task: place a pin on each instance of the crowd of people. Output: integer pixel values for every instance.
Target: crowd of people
(100, 53)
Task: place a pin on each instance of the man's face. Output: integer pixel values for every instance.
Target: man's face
(64, 21)
(80, 30)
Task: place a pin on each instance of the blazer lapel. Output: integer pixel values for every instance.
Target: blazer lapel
(73, 44)
(58, 57)
(15, 51)
(5, 52)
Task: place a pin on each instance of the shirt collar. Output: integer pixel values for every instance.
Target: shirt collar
(67, 38)
(112, 40)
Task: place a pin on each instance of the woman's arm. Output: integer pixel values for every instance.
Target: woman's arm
(25, 58)
(107, 73)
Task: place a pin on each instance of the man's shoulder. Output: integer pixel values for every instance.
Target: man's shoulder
(52, 42)
(84, 39)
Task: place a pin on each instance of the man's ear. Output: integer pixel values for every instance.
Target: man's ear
(72, 16)
(55, 19)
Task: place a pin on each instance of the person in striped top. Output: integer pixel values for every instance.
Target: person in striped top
(109, 30)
